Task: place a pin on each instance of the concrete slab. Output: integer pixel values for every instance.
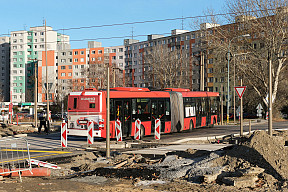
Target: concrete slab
(165, 149)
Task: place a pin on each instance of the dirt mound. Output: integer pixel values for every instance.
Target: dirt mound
(261, 150)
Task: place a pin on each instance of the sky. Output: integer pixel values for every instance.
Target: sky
(64, 14)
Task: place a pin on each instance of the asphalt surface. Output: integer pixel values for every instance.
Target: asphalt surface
(52, 141)
(44, 146)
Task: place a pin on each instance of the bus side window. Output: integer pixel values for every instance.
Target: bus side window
(112, 110)
(167, 110)
(134, 109)
(143, 109)
(75, 103)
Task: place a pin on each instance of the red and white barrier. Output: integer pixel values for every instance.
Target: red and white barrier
(157, 129)
(118, 131)
(43, 164)
(64, 134)
(137, 129)
(267, 115)
(90, 132)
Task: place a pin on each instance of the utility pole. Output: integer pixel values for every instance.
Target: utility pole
(36, 92)
(234, 97)
(270, 95)
(47, 87)
(108, 114)
(221, 104)
(202, 72)
(241, 112)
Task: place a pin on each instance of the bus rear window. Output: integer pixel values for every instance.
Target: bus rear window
(89, 103)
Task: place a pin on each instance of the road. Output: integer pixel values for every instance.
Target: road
(52, 141)
(43, 146)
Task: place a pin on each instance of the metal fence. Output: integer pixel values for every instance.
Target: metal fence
(14, 156)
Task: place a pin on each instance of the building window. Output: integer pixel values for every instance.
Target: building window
(114, 57)
(81, 59)
(99, 58)
(63, 67)
(120, 50)
(69, 74)
(93, 52)
(76, 60)
(82, 52)
(75, 66)
(70, 66)
(70, 60)
(63, 53)
(121, 57)
(113, 50)
(63, 74)
(75, 52)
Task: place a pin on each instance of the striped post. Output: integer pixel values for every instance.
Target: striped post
(137, 129)
(157, 129)
(90, 129)
(63, 134)
(118, 131)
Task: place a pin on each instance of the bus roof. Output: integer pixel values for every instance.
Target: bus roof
(137, 92)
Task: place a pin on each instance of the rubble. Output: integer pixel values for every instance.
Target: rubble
(259, 162)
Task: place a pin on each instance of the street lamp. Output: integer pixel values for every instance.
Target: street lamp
(229, 56)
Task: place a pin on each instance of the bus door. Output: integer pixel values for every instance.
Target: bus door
(127, 117)
(198, 112)
(157, 111)
(123, 113)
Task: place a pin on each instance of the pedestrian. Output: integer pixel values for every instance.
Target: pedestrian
(43, 122)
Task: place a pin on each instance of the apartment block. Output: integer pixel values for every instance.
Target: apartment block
(26, 49)
(78, 69)
(189, 45)
(5, 68)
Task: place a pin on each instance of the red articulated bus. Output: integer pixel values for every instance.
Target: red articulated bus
(178, 109)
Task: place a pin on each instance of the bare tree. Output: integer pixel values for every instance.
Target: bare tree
(167, 67)
(264, 23)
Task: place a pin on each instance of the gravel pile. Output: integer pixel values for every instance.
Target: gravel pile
(174, 167)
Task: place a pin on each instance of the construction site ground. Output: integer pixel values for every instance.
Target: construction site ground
(256, 162)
